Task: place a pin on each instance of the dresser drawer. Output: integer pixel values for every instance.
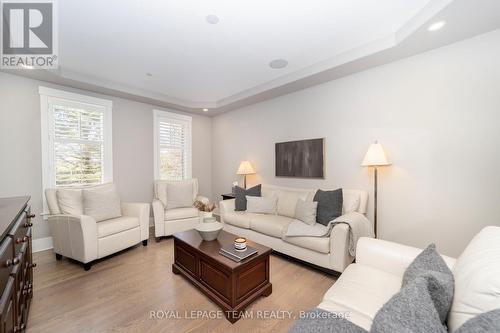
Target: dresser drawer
(19, 232)
(6, 261)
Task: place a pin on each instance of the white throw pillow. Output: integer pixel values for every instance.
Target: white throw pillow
(102, 202)
(70, 201)
(262, 205)
(350, 202)
(179, 195)
(287, 201)
(306, 211)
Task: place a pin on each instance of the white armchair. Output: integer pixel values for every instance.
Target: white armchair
(170, 220)
(81, 238)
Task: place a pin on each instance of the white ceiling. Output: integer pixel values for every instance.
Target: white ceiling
(109, 46)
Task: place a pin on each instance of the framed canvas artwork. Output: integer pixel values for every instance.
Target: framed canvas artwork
(303, 159)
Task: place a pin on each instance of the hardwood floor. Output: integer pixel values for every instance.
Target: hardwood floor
(119, 293)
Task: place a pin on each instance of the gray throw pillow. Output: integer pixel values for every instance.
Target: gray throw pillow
(240, 203)
(329, 205)
(488, 322)
(320, 321)
(410, 310)
(441, 288)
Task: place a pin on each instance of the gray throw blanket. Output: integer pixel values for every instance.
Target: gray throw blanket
(359, 226)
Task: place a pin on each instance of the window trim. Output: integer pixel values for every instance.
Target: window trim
(157, 116)
(47, 140)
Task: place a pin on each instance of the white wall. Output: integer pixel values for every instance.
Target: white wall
(438, 116)
(20, 147)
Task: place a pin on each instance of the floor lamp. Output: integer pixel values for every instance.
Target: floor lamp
(375, 157)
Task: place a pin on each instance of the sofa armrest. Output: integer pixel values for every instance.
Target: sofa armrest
(388, 256)
(339, 247)
(227, 206)
(140, 210)
(159, 217)
(74, 236)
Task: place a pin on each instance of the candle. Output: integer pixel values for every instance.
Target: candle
(240, 243)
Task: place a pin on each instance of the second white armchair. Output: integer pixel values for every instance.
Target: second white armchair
(173, 206)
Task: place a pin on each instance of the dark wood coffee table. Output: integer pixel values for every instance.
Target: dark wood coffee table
(231, 285)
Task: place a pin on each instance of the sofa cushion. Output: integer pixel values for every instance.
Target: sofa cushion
(306, 211)
(353, 316)
(102, 202)
(287, 201)
(320, 321)
(180, 213)
(477, 282)
(318, 244)
(410, 310)
(240, 194)
(488, 322)
(271, 225)
(70, 201)
(362, 290)
(179, 195)
(238, 219)
(261, 205)
(116, 225)
(351, 201)
(427, 261)
(329, 205)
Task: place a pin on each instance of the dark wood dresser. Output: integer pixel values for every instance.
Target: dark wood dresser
(16, 263)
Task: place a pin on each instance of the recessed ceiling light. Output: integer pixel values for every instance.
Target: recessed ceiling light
(436, 26)
(149, 74)
(212, 19)
(205, 110)
(278, 63)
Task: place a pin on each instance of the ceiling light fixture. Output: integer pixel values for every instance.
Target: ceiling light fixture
(278, 63)
(205, 110)
(436, 26)
(212, 19)
(149, 74)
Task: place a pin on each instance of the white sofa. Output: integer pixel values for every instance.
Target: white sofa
(169, 221)
(330, 253)
(367, 285)
(81, 238)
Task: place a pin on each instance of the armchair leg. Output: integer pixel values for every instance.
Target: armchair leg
(58, 256)
(87, 266)
(145, 242)
(157, 239)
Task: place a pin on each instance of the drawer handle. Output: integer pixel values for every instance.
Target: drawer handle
(19, 328)
(28, 224)
(12, 262)
(30, 216)
(22, 240)
(33, 265)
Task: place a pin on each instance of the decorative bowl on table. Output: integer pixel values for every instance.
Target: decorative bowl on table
(209, 231)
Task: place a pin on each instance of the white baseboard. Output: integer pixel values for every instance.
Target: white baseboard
(42, 244)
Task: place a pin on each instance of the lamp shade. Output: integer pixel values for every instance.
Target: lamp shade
(375, 156)
(245, 168)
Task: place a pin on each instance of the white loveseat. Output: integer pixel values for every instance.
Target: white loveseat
(367, 285)
(81, 238)
(168, 221)
(326, 252)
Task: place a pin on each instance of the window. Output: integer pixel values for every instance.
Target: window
(172, 146)
(76, 139)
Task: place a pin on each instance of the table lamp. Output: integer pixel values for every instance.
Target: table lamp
(245, 169)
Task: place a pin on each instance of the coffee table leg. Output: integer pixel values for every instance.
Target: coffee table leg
(175, 270)
(268, 291)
